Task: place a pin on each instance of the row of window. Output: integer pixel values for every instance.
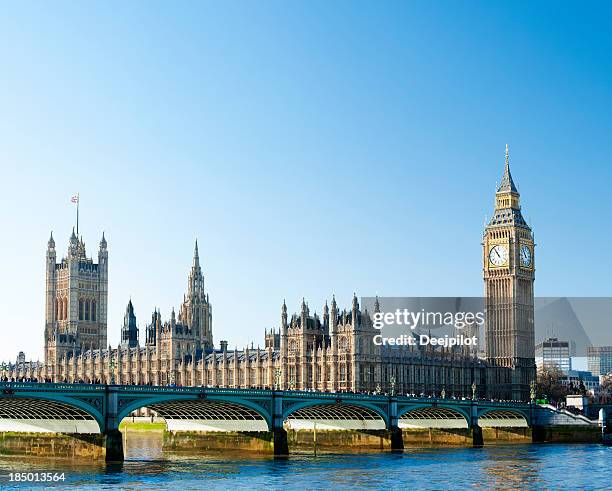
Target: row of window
(87, 309)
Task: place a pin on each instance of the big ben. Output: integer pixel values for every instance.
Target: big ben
(509, 273)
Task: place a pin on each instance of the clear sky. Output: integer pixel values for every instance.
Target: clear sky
(311, 147)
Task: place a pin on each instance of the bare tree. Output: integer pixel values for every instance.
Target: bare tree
(549, 384)
(605, 391)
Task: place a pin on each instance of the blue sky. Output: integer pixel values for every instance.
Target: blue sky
(311, 147)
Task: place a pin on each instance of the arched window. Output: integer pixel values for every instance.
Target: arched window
(343, 344)
(57, 309)
(87, 309)
(65, 314)
(81, 306)
(93, 310)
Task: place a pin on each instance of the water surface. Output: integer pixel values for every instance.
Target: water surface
(502, 467)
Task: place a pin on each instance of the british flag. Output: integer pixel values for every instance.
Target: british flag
(75, 198)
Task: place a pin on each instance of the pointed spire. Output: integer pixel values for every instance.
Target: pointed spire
(74, 243)
(51, 243)
(103, 241)
(196, 256)
(507, 184)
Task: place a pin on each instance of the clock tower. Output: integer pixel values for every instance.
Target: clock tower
(509, 273)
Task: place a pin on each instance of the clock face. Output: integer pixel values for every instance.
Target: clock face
(525, 256)
(498, 255)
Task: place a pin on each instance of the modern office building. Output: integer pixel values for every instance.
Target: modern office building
(553, 352)
(599, 359)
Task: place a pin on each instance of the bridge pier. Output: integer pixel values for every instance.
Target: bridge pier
(113, 444)
(279, 434)
(477, 438)
(397, 438)
(396, 435)
(606, 429)
(113, 439)
(279, 440)
(538, 434)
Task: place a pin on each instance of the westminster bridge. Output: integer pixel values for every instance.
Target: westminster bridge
(99, 409)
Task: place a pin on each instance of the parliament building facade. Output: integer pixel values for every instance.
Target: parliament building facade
(333, 352)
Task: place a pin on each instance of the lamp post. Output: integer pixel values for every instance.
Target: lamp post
(473, 390)
(277, 377)
(392, 382)
(112, 369)
(443, 393)
(532, 391)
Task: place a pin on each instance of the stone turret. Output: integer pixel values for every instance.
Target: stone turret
(129, 330)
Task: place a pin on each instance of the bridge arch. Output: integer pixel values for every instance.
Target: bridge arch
(190, 412)
(57, 414)
(502, 417)
(335, 415)
(429, 416)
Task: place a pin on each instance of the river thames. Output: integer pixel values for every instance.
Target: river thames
(544, 466)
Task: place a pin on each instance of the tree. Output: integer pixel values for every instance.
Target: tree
(549, 384)
(605, 389)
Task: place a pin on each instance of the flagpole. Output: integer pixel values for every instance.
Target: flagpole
(78, 203)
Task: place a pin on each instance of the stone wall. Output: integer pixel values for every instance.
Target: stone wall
(200, 441)
(339, 440)
(56, 445)
(567, 434)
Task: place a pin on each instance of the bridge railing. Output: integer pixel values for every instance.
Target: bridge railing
(158, 389)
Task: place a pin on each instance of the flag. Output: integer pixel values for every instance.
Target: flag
(75, 198)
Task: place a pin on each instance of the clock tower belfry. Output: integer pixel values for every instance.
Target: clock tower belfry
(509, 273)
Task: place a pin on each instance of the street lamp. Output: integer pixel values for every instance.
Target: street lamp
(443, 393)
(112, 370)
(532, 391)
(473, 390)
(392, 381)
(277, 377)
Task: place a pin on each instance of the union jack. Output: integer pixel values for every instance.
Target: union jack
(75, 198)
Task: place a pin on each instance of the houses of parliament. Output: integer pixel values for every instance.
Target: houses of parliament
(333, 352)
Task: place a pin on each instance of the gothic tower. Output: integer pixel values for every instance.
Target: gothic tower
(76, 301)
(129, 330)
(196, 311)
(509, 272)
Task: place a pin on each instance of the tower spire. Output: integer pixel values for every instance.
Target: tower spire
(196, 256)
(507, 184)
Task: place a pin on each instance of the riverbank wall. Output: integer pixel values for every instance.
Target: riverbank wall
(54, 445)
(99, 447)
